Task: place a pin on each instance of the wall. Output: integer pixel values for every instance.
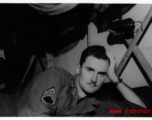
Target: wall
(132, 73)
(70, 59)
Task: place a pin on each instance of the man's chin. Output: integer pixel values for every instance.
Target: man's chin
(90, 91)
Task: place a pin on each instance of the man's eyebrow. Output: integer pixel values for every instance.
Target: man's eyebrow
(90, 68)
(104, 73)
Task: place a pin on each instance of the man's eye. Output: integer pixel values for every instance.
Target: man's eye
(89, 70)
(102, 74)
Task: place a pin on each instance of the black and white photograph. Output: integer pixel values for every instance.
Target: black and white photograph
(75, 59)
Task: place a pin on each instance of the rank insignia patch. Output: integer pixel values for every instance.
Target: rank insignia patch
(49, 96)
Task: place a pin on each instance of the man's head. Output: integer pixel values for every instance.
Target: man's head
(96, 51)
(92, 70)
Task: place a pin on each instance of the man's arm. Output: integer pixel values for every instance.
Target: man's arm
(127, 93)
(41, 96)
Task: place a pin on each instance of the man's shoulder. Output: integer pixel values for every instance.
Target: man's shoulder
(66, 74)
(59, 69)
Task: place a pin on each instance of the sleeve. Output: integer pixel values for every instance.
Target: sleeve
(40, 98)
(7, 106)
(126, 108)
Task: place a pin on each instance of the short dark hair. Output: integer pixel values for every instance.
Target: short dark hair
(96, 51)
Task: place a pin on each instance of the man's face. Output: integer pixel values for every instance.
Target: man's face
(92, 74)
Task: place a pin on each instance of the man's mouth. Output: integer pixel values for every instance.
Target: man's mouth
(92, 84)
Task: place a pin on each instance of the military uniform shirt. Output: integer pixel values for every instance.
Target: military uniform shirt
(54, 93)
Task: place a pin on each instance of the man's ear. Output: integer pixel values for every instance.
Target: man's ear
(78, 69)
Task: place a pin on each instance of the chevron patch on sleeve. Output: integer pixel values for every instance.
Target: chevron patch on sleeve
(49, 97)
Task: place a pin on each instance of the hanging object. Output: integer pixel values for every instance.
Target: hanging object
(123, 26)
(52, 9)
(121, 30)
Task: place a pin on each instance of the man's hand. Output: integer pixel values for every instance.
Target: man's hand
(112, 68)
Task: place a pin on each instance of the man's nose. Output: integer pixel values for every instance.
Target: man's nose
(94, 78)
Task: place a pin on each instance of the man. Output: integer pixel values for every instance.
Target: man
(55, 92)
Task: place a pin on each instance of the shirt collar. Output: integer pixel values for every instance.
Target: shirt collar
(73, 84)
(73, 81)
